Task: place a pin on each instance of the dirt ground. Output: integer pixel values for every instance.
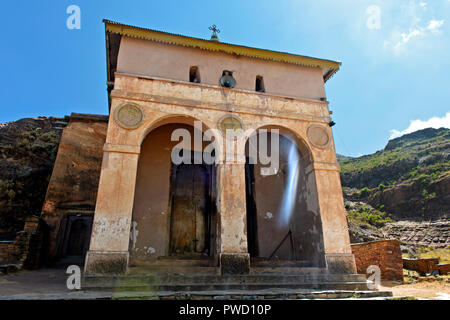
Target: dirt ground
(429, 290)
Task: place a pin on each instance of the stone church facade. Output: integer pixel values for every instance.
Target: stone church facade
(130, 205)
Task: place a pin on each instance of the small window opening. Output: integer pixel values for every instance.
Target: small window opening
(259, 87)
(194, 75)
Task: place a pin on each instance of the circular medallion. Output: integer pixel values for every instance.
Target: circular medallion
(230, 122)
(129, 115)
(318, 136)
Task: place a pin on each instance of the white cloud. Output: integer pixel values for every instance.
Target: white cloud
(412, 34)
(435, 25)
(400, 40)
(416, 125)
(413, 26)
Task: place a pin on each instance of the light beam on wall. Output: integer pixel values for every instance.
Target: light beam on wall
(290, 191)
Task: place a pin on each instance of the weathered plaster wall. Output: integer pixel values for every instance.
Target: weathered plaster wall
(268, 197)
(74, 181)
(151, 211)
(142, 57)
(306, 223)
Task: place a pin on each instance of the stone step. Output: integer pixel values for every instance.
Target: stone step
(255, 262)
(173, 269)
(286, 270)
(226, 279)
(157, 287)
(200, 282)
(173, 261)
(190, 267)
(268, 294)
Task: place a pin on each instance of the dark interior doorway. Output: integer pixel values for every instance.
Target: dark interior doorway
(192, 225)
(77, 236)
(252, 221)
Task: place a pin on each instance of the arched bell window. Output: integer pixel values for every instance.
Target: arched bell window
(194, 75)
(227, 79)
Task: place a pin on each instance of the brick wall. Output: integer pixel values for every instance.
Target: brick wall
(25, 250)
(444, 268)
(386, 254)
(5, 251)
(424, 266)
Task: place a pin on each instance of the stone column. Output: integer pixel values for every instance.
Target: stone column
(234, 257)
(108, 252)
(338, 253)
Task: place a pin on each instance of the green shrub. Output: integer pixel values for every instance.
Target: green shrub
(365, 192)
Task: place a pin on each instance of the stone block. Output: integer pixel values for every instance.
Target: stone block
(106, 262)
(340, 263)
(234, 263)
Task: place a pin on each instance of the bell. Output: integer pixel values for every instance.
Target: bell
(227, 80)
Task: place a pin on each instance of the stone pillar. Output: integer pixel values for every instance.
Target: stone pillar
(234, 257)
(338, 253)
(108, 252)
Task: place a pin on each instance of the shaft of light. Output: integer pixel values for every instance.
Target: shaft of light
(290, 191)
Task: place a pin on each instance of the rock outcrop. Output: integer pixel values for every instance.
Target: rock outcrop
(409, 181)
(28, 150)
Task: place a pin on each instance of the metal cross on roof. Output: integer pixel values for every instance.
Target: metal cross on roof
(214, 29)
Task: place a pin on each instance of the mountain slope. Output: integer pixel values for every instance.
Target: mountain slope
(402, 191)
(409, 178)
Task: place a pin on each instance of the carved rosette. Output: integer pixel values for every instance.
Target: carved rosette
(129, 115)
(318, 136)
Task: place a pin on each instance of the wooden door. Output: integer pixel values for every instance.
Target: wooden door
(188, 234)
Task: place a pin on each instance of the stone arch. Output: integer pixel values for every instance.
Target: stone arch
(283, 213)
(296, 137)
(183, 119)
(156, 188)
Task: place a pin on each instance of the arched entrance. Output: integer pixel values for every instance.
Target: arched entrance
(283, 217)
(174, 212)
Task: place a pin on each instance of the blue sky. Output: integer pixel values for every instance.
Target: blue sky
(394, 72)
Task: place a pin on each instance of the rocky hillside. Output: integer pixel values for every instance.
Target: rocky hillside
(403, 191)
(28, 150)
(409, 178)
